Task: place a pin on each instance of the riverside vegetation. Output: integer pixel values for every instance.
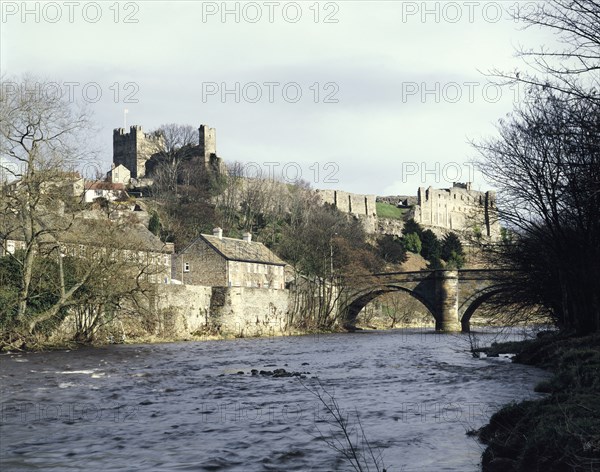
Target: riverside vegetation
(561, 432)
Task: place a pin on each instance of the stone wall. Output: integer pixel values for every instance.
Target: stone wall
(208, 142)
(205, 265)
(187, 307)
(235, 311)
(399, 200)
(362, 207)
(355, 204)
(244, 311)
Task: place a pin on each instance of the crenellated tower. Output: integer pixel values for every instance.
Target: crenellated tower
(133, 149)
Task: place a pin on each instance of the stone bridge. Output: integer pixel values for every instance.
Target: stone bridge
(452, 296)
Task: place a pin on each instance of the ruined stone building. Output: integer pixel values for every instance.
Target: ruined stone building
(360, 206)
(459, 208)
(135, 148)
(213, 260)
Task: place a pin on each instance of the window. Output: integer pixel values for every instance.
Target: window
(186, 266)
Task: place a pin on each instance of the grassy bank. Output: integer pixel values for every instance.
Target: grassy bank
(385, 210)
(560, 432)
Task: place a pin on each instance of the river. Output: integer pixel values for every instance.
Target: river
(184, 406)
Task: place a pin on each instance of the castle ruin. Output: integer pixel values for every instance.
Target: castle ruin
(360, 206)
(135, 148)
(459, 208)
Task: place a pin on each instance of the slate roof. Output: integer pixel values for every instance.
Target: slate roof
(239, 250)
(104, 186)
(92, 232)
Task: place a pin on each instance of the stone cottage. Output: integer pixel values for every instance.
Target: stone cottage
(228, 262)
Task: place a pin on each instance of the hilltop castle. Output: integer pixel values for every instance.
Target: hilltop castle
(135, 148)
(459, 208)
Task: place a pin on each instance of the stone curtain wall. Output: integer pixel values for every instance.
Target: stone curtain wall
(355, 204)
(361, 206)
(133, 148)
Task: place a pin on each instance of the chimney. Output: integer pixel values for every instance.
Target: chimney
(247, 237)
(218, 232)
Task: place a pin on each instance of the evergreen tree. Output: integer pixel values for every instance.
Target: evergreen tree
(431, 247)
(411, 226)
(412, 243)
(451, 243)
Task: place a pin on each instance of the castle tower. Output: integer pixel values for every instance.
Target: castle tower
(133, 149)
(208, 142)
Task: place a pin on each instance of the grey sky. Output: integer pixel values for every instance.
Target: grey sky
(371, 130)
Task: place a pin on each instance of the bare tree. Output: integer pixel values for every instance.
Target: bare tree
(173, 145)
(546, 165)
(40, 134)
(573, 69)
(40, 141)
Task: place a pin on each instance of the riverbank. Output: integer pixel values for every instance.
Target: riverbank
(60, 342)
(560, 432)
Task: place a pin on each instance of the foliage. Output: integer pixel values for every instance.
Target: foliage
(431, 248)
(41, 135)
(412, 242)
(451, 243)
(563, 429)
(571, 69)
(455, 261)
(435, 264)
(391, 249)
(452, 251)
(546, 165)
(154, 224)
(411, 226)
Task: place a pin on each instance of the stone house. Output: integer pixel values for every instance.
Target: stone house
(212, 260)
(119, 175)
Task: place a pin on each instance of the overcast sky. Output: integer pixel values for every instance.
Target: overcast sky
(376, 97)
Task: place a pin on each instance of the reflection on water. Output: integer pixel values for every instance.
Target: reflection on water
(186, 406)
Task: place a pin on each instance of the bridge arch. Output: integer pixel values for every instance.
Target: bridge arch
(360, 300)
(473, 302)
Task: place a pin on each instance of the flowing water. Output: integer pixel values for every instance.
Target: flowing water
(184, 406)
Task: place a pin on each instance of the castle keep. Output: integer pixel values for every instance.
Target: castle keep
(459, 208)
(133, 149)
